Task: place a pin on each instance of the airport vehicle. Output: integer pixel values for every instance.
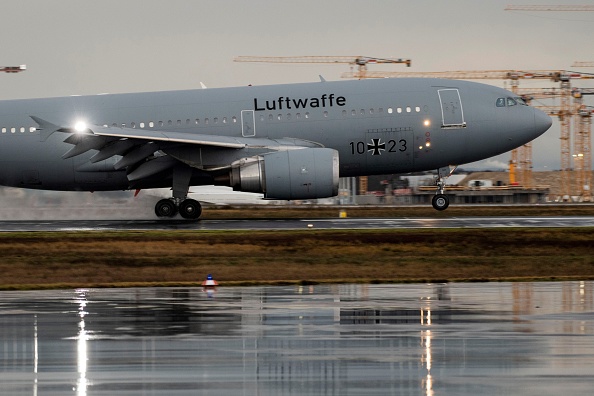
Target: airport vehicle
(289, 142)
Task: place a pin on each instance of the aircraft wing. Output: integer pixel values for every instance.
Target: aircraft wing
(145, 152)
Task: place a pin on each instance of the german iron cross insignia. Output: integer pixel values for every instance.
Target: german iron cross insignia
(376, 147)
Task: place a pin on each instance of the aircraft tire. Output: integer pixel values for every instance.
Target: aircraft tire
(190, 209)
(440, 202)
(165, 208)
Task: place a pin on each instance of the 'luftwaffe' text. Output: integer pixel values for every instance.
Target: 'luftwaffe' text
(287, 103)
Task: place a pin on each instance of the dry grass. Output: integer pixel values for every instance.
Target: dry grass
(97, 258)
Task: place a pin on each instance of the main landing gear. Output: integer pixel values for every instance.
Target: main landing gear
(188, 208)
(441, 201)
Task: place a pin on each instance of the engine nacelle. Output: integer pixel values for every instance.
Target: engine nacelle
(307, 173)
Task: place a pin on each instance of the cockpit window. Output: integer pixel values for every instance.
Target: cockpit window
(511, 102)
(520, 101)
(500, 102)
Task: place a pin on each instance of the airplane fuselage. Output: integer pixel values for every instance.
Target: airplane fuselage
(377, 127)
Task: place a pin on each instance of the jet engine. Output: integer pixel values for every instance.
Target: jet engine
(306, 173)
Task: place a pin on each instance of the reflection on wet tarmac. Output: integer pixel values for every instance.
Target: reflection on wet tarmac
(456, 339)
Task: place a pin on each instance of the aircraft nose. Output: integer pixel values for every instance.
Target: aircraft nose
(542, 122)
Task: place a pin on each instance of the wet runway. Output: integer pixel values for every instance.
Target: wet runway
(425, 339)
(292, 224)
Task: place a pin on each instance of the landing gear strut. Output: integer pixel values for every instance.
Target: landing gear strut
(441, 201)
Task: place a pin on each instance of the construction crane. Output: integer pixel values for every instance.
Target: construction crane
(582, 144)
(568, 7)
(13, 69)
(582, 64)
(521, 156)
(360, 61)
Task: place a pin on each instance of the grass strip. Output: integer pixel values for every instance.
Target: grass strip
(182, 258)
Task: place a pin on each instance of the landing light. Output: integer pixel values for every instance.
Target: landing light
(428, 144)
(80, 126)
(427, 123)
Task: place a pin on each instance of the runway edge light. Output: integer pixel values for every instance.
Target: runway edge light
(209, 281)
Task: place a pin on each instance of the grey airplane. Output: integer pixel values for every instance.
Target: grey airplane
(288, 142)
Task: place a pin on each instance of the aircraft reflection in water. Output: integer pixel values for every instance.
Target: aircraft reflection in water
(298, 340)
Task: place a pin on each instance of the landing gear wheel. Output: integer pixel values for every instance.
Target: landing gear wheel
(190, 209)
(165, 208)
(440, 202)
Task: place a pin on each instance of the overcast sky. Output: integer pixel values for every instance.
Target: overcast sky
(88, 47)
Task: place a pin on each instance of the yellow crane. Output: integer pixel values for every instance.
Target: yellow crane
(567, 7)
(583, 64)
(582, 143)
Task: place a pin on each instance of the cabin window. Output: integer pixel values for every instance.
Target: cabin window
(224, 120)
(3, 130)
(298, 115)
(261, 118)
(288, 116)
(418, 109)
(32, 129)
(381, 110)
(141, 124)
(370, 111)
(362, 112)
(270, 117)
(151, 124)
(133, 124)
(307, 114)
(161, 123)
(206, 121)
(353, 113)
(344, 113)
(12, 130)
(279, 117)
(390, 110)
(188, 121)
(215, 120)
(178, 122)
(197, 121)
(399, 110)
(325, 114)
(408, 109)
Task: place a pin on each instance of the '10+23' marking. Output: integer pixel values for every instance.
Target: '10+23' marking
(377, 146)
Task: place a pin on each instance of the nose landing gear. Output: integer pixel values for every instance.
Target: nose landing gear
(441, 201)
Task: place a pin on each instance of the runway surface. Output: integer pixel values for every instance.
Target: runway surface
(295, 224)
(429, 339)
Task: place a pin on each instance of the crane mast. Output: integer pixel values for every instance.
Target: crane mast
(568, 7)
